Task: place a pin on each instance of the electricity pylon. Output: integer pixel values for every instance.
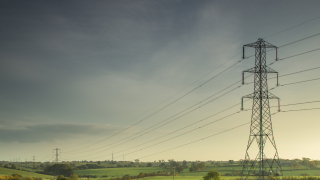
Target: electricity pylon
(261, 125)
(57, 154)
(34, 158)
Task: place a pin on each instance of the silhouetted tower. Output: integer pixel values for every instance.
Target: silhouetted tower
(57, 154)
(34, 158)
(261, 126)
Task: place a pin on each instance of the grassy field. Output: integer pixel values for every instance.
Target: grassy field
(117, 172)
(6, 171)
(177, 177)
(133, 171)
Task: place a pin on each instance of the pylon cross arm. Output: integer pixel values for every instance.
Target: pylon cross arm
(251, 96)
(271, 96)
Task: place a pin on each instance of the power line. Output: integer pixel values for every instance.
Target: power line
(311, 69)
(232, 90)
(184, 133)
(300, 82)
(184, 128)
(176, 131)
(45, 157)
(299, 40)
(184, 88)
(162, 124)
(297, 72)
(299, 54)
(201, 102)
(292, 27)
(199, 86)
(192, 90)
(219, 112)
(196, 140)
(310, 109)
(301, 110)
(308, 102)
(205, 125)
(290, 43)
(218, 134)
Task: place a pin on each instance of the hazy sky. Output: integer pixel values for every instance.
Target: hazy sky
(75, 74)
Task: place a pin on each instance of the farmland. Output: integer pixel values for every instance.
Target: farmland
(157, 170)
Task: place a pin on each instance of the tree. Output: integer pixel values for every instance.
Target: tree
(194, 167)
(184, 163)
(295, 165)
(202, 165)
(305, 160)
(13, 166)
(149, 165)
(231, 162)
(73, 177)
(61, 177)
(99, 163)
(6, 166)
(179, 169)
(212, 175)
(59, 169)
(173, 163)
(311, 164)
(126, 177)
(137, 161)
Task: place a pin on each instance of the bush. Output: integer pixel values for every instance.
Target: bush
(212, 175)
(73, 177)
(17, 175)
(62, 169)
(61, 177)
(13, 166)
(87, 176)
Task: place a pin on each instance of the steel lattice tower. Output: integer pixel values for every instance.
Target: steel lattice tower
(261, 126)
(57, 154)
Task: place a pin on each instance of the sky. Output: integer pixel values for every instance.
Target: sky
(93, 78)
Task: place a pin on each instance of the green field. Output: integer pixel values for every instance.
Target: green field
(117, 172)
(133, 171)
(6, 171)
(177, 177)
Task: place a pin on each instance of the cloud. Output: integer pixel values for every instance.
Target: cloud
(52, 132)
